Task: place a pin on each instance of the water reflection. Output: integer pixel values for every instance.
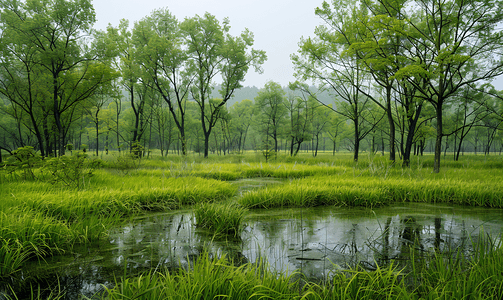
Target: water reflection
(315, 241)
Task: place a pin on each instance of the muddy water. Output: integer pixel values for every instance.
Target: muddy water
(315, 241)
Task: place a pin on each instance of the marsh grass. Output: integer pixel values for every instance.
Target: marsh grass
(439, 276)
(220, 219)
(38, 218)
(25, 234)
(372, 191)
(207, 278)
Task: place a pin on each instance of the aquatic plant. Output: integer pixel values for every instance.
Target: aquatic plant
(220, 218)
(436, 277)
(207, 278)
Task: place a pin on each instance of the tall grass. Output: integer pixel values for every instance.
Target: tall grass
(37, 220)
(372, 192)
(220, 219)
(439, 276)
(25, 234)
(207, 278)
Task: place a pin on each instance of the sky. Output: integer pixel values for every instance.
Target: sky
(277, 25)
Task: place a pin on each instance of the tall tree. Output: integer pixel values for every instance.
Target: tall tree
(54, 34)
(213, 52)
(300, 112)
(455, 43)
(163, 57)
(270, 108)
(241, 113)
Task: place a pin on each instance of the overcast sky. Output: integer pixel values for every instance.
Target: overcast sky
(276, 24)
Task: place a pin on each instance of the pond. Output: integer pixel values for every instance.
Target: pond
(315, 241)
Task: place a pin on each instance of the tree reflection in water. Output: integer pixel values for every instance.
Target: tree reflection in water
(317, 241)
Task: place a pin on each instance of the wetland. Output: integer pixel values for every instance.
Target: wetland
(309, 223)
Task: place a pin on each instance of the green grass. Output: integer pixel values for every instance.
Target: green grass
(477, 276)
(372, 191)
(207, 278)
(39, 218)
(220, 219)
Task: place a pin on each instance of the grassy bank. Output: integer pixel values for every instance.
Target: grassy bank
(370, 191)
(436, 277)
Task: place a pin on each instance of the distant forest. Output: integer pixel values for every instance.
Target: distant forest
(371, 80)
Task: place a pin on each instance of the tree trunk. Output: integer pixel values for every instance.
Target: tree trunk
(392, 154)
(97, 134)
(357, 142)
(438, 140)
(206, 143)
(57, 119)
(410, 138)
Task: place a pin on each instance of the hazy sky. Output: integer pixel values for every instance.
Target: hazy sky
(276, 24)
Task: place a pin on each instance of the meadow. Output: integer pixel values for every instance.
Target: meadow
(47, 207)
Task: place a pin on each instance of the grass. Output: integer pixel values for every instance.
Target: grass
(220, 219)
(207, 278)
(369, 191)
(477, 276)
(39, 218)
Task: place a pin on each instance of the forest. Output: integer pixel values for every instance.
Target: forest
(135, 164)
(375, 81)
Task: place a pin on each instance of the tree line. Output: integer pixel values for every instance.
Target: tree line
(406, 57)
(400, 75)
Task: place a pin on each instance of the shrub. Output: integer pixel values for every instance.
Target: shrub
(71, 170)
(24, 160)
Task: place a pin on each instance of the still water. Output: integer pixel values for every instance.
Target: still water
(315, 241)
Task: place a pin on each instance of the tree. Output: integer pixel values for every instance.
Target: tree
(213, 52)
(271, 112)
(164, 60)
(454, 44)
(241, 114)
(47, 43)
(361, 29)
(301, 115)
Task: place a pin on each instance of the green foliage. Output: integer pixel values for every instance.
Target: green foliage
(137, 150)
(127, 162)
(268, 150)
(72, 170)
(23, 162)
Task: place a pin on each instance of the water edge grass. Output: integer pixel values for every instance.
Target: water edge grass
(476, 276)
(62, 217)
(369, 191)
